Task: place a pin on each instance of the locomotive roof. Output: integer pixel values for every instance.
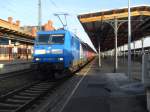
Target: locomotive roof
(53, 31)
(64, 31)
(60, 31)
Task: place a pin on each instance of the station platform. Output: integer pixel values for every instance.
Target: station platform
(102, 90)
(14, 65)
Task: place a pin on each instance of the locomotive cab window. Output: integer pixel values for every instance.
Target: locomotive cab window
(57, 39)
(43, 39)
(51, 39)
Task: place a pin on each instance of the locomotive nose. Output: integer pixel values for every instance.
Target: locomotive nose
(49, 53)
(47, 49)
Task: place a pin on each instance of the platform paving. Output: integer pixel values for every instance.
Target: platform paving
(101, 90)
(14, 61)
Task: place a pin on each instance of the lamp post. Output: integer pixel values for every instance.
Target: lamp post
(129, 41)
(99, 54)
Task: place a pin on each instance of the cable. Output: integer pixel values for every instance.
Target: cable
(53, 3)
(26, 11)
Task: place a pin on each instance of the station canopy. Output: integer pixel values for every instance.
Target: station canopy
(99, 28)
(16, 35)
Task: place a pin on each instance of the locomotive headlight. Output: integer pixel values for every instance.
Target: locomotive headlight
(48, 51)
(37, 59)
(42, 51)
(60, 59)
(1, 66)
(57, 51)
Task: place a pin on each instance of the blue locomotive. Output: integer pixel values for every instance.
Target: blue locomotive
(60, 50)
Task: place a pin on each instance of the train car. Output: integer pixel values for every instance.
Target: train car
(60, 50)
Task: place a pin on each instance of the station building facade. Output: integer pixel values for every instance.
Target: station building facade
(17, 42)
(14, 42)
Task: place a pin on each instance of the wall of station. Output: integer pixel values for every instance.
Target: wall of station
(12, 49)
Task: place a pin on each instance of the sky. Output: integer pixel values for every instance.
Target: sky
(27, 11)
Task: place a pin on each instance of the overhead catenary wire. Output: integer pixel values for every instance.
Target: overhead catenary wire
(53, 3)
(23, 14)
(10, 6)
(73, 14)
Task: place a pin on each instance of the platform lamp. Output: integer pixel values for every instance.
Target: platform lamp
(129, 41)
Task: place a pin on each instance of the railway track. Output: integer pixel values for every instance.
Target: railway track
(13, 74)
(31, 95)
(24, 98)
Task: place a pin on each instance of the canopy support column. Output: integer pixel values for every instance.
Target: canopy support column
(115, 24)
(116, 50)
(123, 53)
(99, 54)
(142, 42)
(134, 49)
(143, 56)
(10, 53)
(129, 41)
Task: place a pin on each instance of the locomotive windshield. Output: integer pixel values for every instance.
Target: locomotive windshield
(51, 39)
(57, 39)
(43, 39)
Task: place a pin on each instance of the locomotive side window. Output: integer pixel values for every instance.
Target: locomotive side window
(72, 42)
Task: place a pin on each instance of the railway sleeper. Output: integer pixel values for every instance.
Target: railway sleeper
(5, 105)
(25, 96)
(44, 87)
(21, 97)
(38, 89)
(16, 91)
(41, 87)
(28, 94)
(34, 91)
(16, 101)
(27, 104)
(45, 83)
(6, 110)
